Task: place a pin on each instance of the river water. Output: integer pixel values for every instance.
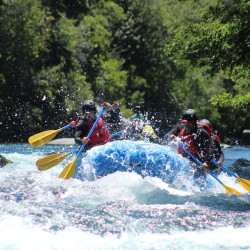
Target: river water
(119, 211)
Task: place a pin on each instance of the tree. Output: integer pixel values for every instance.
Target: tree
(41, 76)
(23, 38)
(219, 43)
(104, 68)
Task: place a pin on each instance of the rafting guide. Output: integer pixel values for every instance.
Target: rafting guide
(195, 138)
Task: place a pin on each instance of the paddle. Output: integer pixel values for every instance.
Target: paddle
(117, 133)
(50, 161)
(244, 182)
(69, 171)
(229, 190)
(42, 138)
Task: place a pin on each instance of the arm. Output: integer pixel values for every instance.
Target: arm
(81, 131)
(215, 153)
(112, 116)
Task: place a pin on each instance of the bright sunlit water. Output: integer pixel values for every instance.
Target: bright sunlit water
(119, 211)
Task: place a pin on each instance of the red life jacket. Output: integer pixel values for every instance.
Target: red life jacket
(188, 143)
(100, 134)
(209, 130)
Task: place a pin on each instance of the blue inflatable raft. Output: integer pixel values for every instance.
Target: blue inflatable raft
(146, 159)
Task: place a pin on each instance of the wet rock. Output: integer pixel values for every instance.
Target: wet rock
(241, 167)
(64, 141)
(4, 161)
(242, 162)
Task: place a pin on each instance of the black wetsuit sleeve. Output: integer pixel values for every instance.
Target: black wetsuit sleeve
(112, 120)
(81, 131)
(215, 152)
(202, 140)
(221, 157)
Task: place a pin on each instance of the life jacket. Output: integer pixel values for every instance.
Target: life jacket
(100, 134)
(188, 144)
(148, 131)
(209, 130)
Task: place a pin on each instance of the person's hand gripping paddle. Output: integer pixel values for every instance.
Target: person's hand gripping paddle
(69, 171)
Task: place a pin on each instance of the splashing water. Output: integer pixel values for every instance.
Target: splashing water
(145, 159)
(122, 210)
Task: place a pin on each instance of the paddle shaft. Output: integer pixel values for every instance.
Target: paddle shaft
(66, 127)
(90, 133)
(117, 133)
(53, 160)
(69, 171)
(225, 169)
(112, 136)
(244, 182)
(199, 162)
(70, 125)
(183, 148)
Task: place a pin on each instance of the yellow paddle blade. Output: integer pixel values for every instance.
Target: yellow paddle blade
(42, 138)
(244, 183)
(69, 171)
(230, 190)
(50, 161)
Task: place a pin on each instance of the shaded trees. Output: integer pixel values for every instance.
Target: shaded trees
(220, 44)
(54, 54)
(39, 73)
(23, 38)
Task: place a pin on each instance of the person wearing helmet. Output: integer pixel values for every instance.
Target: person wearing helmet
(215, 150)
(140, 129)
(84, 123)
(193, 137)
(112, 118)
(188, 122)
(189, 119)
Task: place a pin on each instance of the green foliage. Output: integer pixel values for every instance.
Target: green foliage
(55, 54)
(219, 44)
(105, 70)
(24, 33)
(66, 32)
(195, 90)
(227, 99)
(179, 13)
(112, 80)
(139, 41)
(73, 8)
(96, 34)
(113, 13)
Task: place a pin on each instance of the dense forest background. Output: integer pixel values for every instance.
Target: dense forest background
(163, 55)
